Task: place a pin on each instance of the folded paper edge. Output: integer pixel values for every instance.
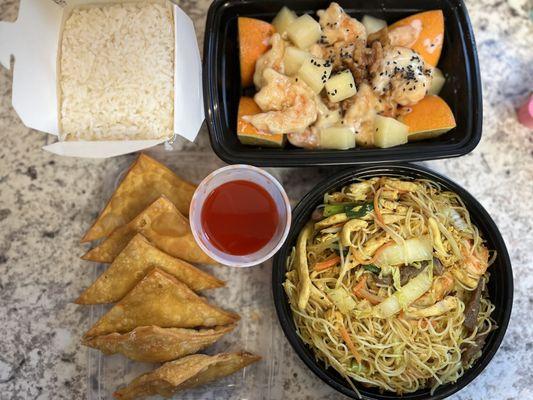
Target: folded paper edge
(99, 149)
(188, 116)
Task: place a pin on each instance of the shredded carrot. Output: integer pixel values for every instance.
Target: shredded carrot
(376, 206)
(360, 291)
(360, 285)
(424, 322)
(372, 298)
(321, 266)
(349, 343)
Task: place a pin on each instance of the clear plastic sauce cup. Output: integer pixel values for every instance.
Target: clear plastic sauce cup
(240, 173)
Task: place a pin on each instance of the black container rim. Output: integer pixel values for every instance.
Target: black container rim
(264, 157)
(284, 312)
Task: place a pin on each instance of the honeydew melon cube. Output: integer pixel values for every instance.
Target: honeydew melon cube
(437, 82)
(340, 86)
(283, 19)
(373, 24)
(315, 73)
(337, 137)
(328, 119)
(293, 59)
(304, 31)
(389, 132)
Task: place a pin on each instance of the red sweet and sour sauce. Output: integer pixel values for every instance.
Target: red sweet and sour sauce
(239, 217)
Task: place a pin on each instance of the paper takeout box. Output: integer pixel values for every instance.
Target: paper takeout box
(34, 40)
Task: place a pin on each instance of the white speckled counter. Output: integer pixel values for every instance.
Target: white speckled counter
(46, 203)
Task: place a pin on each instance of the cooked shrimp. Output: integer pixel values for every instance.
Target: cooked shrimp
(290, 106)
(442, 285)
(337, 26)
(476, 263)
(439, 308)
(360, 115)
(308, 139)
(273, 58)
(472, 267)
(403, 74)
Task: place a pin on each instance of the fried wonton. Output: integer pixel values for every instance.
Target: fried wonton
(145, 181)
(185, 373)
(160, 299)
(163, 225)
(155, 344)
(132, 264)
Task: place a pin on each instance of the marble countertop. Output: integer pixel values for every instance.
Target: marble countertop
(46, 203)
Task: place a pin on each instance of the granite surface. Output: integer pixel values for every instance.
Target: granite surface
(46, 203)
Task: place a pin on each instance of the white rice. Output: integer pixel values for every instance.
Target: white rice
(116, 75)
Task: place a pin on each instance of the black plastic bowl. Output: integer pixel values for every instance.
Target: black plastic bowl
(500, 285)
(222, 87)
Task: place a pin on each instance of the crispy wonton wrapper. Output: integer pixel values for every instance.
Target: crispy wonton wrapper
(146, 180)
(132, 264)
(163, 225)
(185, 373)
(155, 344)
(161, 300)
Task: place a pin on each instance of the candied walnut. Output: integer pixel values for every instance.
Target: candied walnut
(358, 63)
(381, 36)
(377, 56)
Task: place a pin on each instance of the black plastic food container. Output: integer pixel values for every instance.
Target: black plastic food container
(500, 284)
(222, 88)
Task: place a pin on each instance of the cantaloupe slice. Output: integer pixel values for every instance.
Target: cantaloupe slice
(429, 118)
(249, 134)
(430, 24)
(254, 38)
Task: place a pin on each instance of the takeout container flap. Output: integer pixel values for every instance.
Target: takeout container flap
(34, 40)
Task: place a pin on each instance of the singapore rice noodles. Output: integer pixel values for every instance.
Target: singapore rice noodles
(387, 284)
